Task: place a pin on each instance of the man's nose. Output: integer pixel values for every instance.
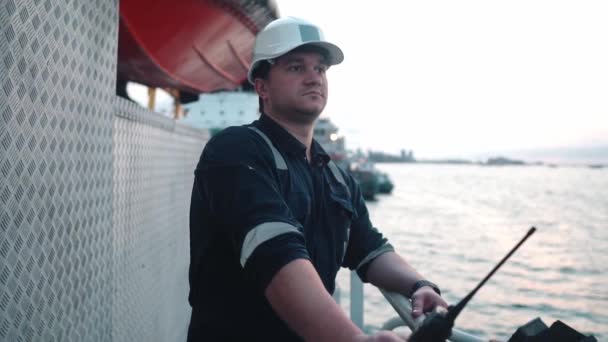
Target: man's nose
(313, 76)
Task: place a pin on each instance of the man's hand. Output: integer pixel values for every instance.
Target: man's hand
(425, 299)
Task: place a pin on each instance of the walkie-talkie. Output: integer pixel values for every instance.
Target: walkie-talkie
(437, 326)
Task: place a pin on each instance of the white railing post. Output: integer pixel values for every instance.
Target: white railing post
(337, 294)
(356, 300)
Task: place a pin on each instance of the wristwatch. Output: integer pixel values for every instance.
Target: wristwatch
(421, 283)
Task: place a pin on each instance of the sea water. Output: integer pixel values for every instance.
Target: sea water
(455, 222)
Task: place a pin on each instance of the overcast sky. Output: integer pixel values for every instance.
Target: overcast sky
(456, 78)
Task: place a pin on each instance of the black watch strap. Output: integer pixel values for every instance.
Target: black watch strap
(421, 283)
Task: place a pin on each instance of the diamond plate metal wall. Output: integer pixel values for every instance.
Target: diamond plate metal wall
(57, 77)
(154, 160)
(93, 191)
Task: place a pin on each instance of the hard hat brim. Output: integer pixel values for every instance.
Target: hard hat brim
(334, 56)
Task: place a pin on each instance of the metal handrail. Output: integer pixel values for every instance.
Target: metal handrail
(404, 309)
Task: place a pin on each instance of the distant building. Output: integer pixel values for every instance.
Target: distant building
(383, 157)
(219, 110)
(407, 155)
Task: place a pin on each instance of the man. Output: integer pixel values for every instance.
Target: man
(273, 219)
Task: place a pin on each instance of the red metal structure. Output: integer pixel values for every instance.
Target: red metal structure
(194, 46)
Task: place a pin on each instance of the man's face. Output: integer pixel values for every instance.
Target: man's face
(296, 87)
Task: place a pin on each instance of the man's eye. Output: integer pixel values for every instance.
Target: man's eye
(321, 69)
(294, 68)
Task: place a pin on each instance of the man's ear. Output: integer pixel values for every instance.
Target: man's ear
(261, 87)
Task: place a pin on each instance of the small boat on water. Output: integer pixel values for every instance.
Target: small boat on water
(370, 179)
(366, 174)
(385, 185)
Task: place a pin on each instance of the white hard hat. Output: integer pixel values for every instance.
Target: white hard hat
(285, 34)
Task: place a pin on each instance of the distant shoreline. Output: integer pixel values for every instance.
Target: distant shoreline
(592, 156)
(498, 161)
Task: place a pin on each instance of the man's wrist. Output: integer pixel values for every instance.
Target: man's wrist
(421, 283)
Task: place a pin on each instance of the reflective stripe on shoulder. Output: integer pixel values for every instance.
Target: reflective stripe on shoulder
(337, 174)
(278, 158)
(262, 233)
(375, 253)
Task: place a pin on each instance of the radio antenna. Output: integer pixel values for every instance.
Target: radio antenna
(438, 327)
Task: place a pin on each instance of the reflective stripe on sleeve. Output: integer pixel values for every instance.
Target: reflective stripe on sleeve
(262, 233)
(375, 253)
